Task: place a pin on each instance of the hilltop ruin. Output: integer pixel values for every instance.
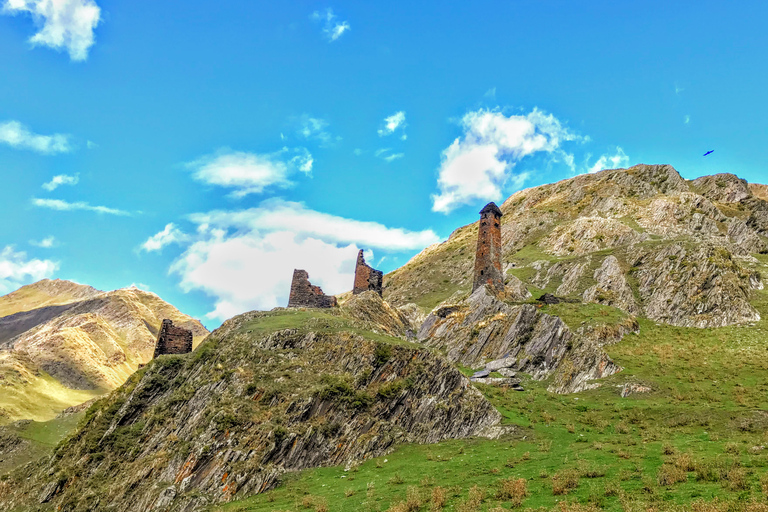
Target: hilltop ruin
(488, 256)
(304, 294)
(366, 277)
(173, 340)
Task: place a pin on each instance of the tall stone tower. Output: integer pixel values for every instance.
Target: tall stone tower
(488, 256)
(366, 277)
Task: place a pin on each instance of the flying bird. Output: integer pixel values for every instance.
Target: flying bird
(708, 152)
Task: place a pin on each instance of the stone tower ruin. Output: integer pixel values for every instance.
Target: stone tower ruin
(304, 294)
(488, 257)
(366, 277)
(173, 340)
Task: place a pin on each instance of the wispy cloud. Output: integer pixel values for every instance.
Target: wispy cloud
(17, 270)
(394, 123)
(687, 119)
(481, 161)
(314, 128)
(678, 88)
(64, 24)
(59, 180)
(65, 206)
(45, 243)
(169, 235)
(617, 160)
(251, 173)
(244, 259)
(16, 135)
(387, 155)
(333, 27)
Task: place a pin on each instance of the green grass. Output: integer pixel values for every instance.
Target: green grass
(708, 390)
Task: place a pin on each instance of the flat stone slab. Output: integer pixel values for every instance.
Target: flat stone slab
(481, 374)
(498, 364)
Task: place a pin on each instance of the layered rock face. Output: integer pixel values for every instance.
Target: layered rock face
(60, 350)
(173, 340)
(366, 277)
(485, 331)
(642, 239)
(304, 294)
(250, 404)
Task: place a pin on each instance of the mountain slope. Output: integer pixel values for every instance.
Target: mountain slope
(60, 350)
(676, 249)
(265, 394)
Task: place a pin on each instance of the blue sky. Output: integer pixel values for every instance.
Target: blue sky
(205, 150)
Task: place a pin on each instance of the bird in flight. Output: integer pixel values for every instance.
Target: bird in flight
(708, 152)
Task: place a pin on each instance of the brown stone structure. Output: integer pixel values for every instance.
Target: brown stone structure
(173, 340)
(488, 257)
(304, 294)
(366, 277)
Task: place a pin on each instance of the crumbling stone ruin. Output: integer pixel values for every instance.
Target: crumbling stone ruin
(488, 256)
(173, 340)
(304, 294)
(366, 277)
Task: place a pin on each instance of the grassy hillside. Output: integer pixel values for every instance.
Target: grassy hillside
(697, 435)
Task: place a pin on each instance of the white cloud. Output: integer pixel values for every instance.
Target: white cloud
(61, 179)
(332, 28)
(16, 270)
(392, 123)
(387, 155)
(251, 173)
(64, 24)
(169, 235)
(678, 88)
(616, 161)
(58, 204)
(479, 163)
(245, 259)
(16, 135)
(45, 243)
(686, 120)
(314, 128)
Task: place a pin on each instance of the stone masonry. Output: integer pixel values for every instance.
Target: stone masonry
(366, 277)
(173, 340)
(488, 257)
(304, 294)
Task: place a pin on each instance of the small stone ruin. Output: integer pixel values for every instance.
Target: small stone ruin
(304, 294)
(366, 277)
(173, 340)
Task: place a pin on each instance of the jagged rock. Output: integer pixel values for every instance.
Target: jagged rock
(507, 372)
(759, 191)
(631, 389)
(481, 374)
(369, 307)
(515, 290)
(498, 364)
(706, 284)
(612, 288)
(723, 188)
(484, 331)
(413, 315)
(742, 234)
(572, 276)
(589, 234)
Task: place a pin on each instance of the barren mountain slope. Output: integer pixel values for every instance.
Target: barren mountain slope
(57, 351)
(641, 239)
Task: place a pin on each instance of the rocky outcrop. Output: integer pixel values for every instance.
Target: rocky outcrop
(251, 404)
(483, 329)
(723, 188)
(589, 234)
(305, 295)
(612, 288)
(694, 286)
(370, 308)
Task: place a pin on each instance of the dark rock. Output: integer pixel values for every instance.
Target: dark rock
(481, 374)
(548, 298)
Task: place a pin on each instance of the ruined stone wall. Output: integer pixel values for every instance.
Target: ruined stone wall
(366, 277)
(173, 340)
(488, 256)
(304, 294)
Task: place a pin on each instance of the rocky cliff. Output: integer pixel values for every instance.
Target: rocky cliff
(62, 343)
(642, 239)
(265, 394)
